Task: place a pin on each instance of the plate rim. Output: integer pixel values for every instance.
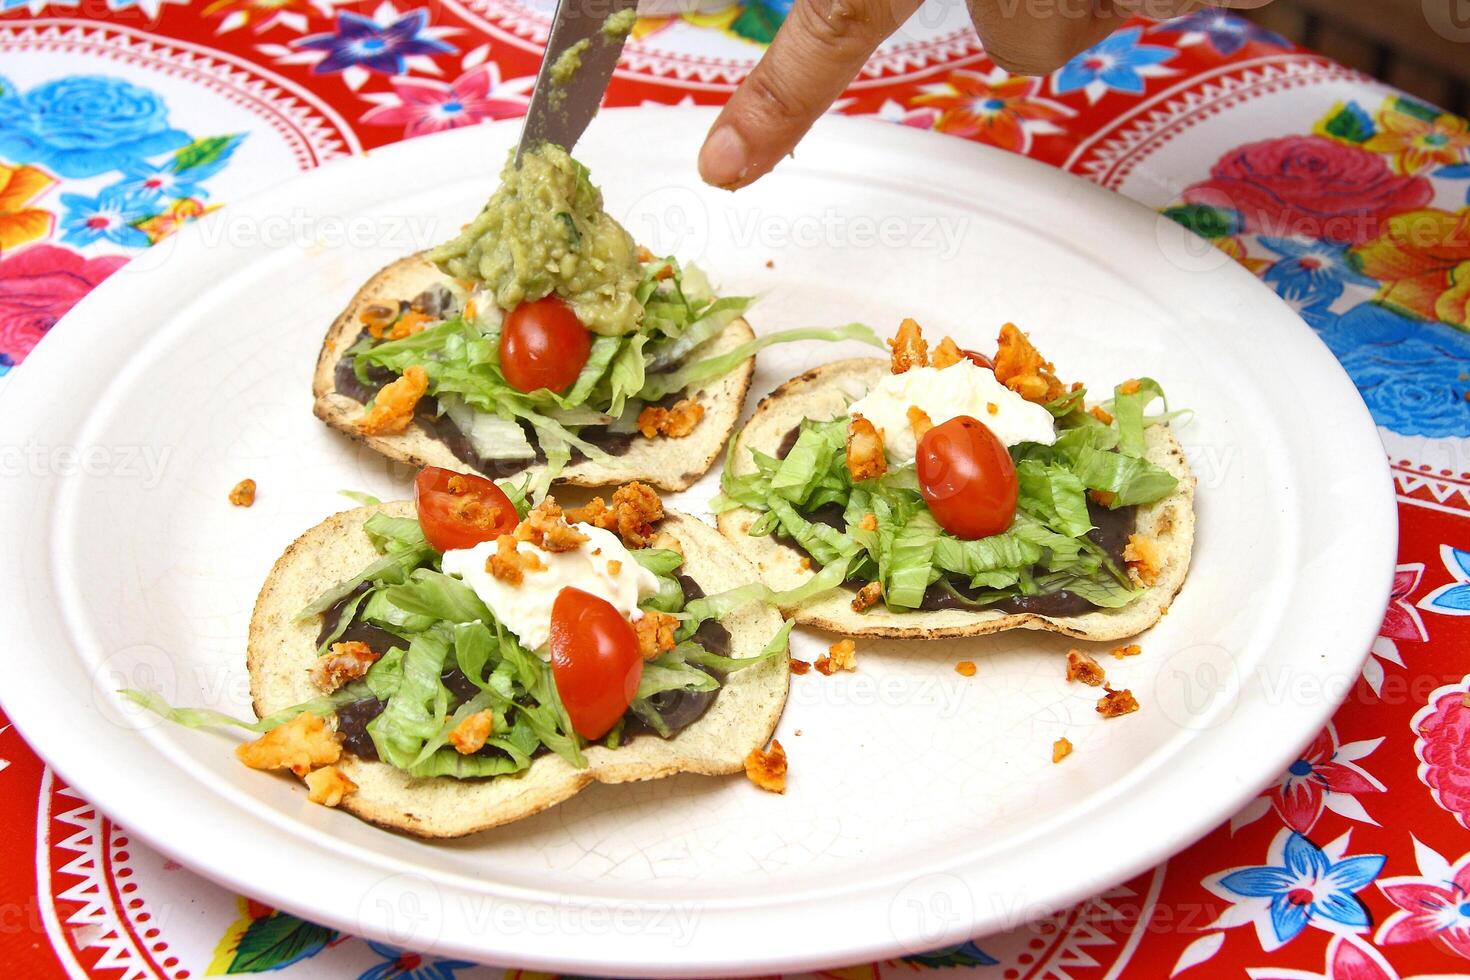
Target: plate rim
(28, 713)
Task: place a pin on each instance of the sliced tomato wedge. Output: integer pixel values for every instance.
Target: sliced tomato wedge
(459, 510)
(594, 661)
(967, 478)
(543, 345)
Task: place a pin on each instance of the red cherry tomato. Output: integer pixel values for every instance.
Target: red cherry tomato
(978, 358)
(967, 478)
(543, 345)
(457, 510)
(594, 660)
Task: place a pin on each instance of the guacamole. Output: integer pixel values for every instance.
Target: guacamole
(567, 63)
(543, 232)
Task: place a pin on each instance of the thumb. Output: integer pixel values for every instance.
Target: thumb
(815, 54)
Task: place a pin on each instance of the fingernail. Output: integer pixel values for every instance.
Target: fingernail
(724, 161)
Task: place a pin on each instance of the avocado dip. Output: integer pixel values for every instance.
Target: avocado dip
(544, 232)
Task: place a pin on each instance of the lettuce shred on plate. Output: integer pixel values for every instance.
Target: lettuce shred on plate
(446, 657)
(1046, 550)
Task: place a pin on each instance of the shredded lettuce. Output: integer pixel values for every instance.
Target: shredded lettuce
(1046, 548)
(712, 367)
(209, 718)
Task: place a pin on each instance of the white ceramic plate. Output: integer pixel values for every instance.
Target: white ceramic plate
(923, 807)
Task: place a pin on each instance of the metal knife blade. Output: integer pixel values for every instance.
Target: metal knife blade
(561, 109)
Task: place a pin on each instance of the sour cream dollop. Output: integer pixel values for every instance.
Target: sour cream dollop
(525, 609)
(963, 388)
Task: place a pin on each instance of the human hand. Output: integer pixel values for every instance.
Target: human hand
(824, 43)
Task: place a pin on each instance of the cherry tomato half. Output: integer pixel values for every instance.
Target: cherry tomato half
(967, 478)
(543, 345)
(457, 510)
(979, 359)
(594, 660)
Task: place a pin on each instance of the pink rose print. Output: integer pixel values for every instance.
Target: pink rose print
(40, 284)
(1443, 748)
(1433, 906)
(422, 105)
(1310, 187)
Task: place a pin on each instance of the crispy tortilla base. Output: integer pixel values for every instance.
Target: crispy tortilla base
(741, 718)
(825, 393)
(670, 464)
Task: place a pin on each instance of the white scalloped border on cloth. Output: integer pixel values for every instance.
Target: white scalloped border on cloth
(313, 130)
(93, 915)
(528, 29)
(1109, 155)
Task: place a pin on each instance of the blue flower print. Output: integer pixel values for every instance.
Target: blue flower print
(1311, 268)
(360, 40)
(1118, 64)
(1226, 32)
(398, 965)
(1308, 887)
(84, 125)
(108, 217)
(1452, 599)
(181, 175)
(1412, 375)
(6, 363)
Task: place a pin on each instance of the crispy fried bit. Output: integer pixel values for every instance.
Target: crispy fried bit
(470, 735)
(841, 655)
(910, 349)
(965, 668)
(946, 354)
(344, 662)
(770, 263)
(300, 745)
(1021, 368)
(614, 567)
(1060, 749)
(509, 564)
(378, 318)
(666, 542)
(1143, 558)
(1131, 650)
(1101, 414)
(767, 767)
(919, 421)
(1103, 497)
(798, 666)
(409, 324)
(546, 527)
(328, 785)
(868, 522)
(992, 408)
(635, 508)
(655, 632)
(805, 563)
(865, 459)
(242, 494)
(867, 597)
(1115, 703)
(1081, 667)
(1129, 387)
(675, 422)
(393, 407)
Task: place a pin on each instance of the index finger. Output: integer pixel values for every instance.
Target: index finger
(816, 53)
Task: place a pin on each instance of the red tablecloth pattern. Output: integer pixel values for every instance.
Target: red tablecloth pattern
(122, 119)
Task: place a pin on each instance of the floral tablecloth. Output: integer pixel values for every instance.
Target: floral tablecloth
(122, 119)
